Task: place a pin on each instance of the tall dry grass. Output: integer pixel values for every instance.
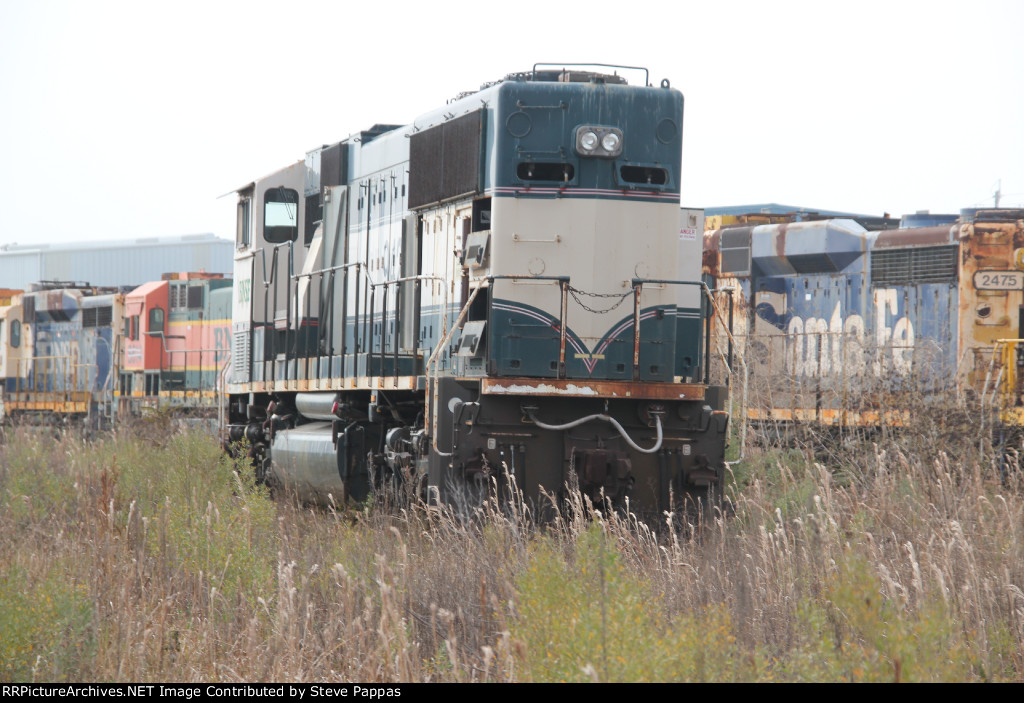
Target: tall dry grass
(155, 559)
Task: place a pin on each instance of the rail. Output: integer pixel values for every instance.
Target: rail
(28, 368)
(432, 361)
(397, 335)
(390, 341)
(1006, 393)
(365, 293)
(185, 352)
(647, 75)
(708, 297)
(298, 342)
(222, 396)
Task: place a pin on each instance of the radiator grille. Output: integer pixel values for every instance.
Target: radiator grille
(444, 161)
(735, 248)
(240, 357)
(97, 317)
(906, 266)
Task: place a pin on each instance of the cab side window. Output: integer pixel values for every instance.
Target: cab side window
(280, 215)
(156, 320)
(244, 225)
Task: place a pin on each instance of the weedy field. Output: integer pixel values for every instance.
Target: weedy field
(135, 558)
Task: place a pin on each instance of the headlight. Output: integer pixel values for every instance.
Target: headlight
(605, 142)
(610, 141)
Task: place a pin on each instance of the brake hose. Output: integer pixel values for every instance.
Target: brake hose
(606, 418)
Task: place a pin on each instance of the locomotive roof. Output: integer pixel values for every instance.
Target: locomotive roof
(146, 288)
(469, 101)
(776, 209)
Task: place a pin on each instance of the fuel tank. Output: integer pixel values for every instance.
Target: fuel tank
(305, 461)
(308, 462)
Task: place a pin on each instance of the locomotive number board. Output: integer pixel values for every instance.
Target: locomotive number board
(999, 280)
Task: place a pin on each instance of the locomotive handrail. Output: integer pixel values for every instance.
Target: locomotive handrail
(449, 333)
(406, 279)
(647, 74)
(709, 295)
(262, 250)
(525, 277)
(398, 306)
(331, 270)
(320, 272)
(1000, 349)
(46, 368)
(222, 394)
(372, 286)
(32, 372)
(432, 378)
(170, 352)
(263, 255)
(563, 285)
(288, 311)
(265, 282)
(270, 312)
(988, 375)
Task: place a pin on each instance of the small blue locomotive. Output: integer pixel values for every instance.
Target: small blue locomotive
(500, 289)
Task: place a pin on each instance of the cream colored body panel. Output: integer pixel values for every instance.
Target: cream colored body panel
(15, 361)
(601, 244)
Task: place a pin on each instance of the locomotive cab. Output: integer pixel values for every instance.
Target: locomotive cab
(176, 342)
(15, 349)
(274, 236)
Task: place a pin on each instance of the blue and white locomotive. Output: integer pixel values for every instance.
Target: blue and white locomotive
(846, 325)
(60, 350)
(501, 288)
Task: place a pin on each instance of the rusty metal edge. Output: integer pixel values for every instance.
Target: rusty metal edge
(579, 388)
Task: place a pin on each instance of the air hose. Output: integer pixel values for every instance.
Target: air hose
(607, 418)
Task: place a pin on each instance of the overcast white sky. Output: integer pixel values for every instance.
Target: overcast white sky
(129, 119)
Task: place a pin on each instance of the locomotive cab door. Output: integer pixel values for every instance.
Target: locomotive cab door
(409, 291)
(333, 282)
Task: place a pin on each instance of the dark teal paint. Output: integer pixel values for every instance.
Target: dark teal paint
(519, 336)
(555, 110)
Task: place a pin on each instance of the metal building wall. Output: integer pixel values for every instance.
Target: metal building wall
(114, 263)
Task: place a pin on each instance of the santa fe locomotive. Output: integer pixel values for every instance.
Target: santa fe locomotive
(844, 325)
(492, 291)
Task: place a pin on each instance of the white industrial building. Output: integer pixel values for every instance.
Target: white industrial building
(127, 262)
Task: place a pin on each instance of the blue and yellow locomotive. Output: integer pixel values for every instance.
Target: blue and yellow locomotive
(842, 324)
(59, 352)
(501, 288)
